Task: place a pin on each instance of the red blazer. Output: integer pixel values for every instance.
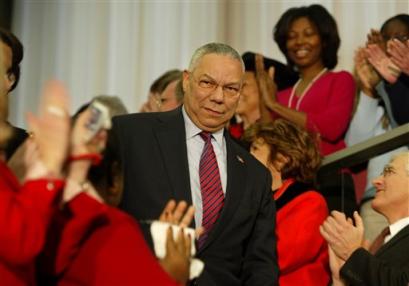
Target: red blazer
(100, 245)
(302, 251)
(25, 212)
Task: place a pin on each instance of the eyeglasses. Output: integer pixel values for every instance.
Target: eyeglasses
(209, 85)
(388, 170)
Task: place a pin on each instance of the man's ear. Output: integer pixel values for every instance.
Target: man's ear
(185, 79)
(11, 79)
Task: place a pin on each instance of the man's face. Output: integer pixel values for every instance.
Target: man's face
(212, 91)
(5, 80)
(392, 189)
(168, 97)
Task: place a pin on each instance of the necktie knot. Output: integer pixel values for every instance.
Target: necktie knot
(206, 136)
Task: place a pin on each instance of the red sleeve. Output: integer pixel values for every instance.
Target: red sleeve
(25, 213)
(299, 239)
(333, 120)
(125, 259)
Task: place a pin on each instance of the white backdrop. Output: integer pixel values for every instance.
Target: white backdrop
(119, 47)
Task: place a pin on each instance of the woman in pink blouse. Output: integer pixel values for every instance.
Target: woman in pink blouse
(321, 100)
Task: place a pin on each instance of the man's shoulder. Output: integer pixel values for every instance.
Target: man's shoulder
(143, 119)
(245, 157)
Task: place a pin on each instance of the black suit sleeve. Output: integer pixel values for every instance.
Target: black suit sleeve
(260, 262)
(363, 268)
(398, 94)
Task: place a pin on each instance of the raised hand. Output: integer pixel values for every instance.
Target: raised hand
(80, 144)
(380, 61)
(375, 38)
(177, 214)
(267, 88)
(265, 81)
(51, 127)
(177, 259)
(368, 77)
(399, 54)
(335, 264)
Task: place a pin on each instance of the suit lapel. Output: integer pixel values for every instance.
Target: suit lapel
(236, 183)
(171, 138)
(398, 237)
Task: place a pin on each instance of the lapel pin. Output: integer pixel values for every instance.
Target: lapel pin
(240, 159)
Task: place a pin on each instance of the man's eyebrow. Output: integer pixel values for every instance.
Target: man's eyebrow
(208, 76)
(211, 78)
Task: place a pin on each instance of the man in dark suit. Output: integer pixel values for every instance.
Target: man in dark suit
(386, 262)
(12, 55)
(162, 159)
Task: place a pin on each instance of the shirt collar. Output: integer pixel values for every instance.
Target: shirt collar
(192, 130)
(398, 226)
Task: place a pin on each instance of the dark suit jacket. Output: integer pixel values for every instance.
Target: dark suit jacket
(241, 248)
(388, 267)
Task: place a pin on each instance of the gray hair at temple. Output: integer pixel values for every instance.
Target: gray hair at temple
(214, 48)
(114, 104)
(405, 153)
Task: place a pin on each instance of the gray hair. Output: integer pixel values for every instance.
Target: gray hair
(405, 153)
(214, 48)
(114, 104)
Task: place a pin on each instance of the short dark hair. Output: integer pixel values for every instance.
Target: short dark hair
(326, 26)
(16, 47)
(403, 18)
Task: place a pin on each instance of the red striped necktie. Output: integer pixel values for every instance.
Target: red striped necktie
(210, 186)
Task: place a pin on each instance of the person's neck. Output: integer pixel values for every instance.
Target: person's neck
(392, 218)
(307, 74)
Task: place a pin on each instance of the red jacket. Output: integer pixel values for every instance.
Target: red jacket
(302, 251)
(99, 245)
(25, 212)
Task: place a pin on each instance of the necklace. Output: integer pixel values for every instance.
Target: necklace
(305, 90)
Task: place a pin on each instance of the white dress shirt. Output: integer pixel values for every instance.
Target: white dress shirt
(396, 227)
(195, 144)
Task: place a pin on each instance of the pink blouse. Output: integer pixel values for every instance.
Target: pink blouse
(328, 105)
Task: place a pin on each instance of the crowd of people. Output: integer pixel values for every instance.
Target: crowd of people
(215, 180)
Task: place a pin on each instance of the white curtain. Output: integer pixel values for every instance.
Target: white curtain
(119, 47)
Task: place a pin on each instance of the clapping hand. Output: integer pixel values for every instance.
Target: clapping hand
(399, 54)
(368, 77)
(51, 128)
(384, 65)
(178, 215)
(342, 235)
(177, 259)
(375, 38)
(265, 81)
